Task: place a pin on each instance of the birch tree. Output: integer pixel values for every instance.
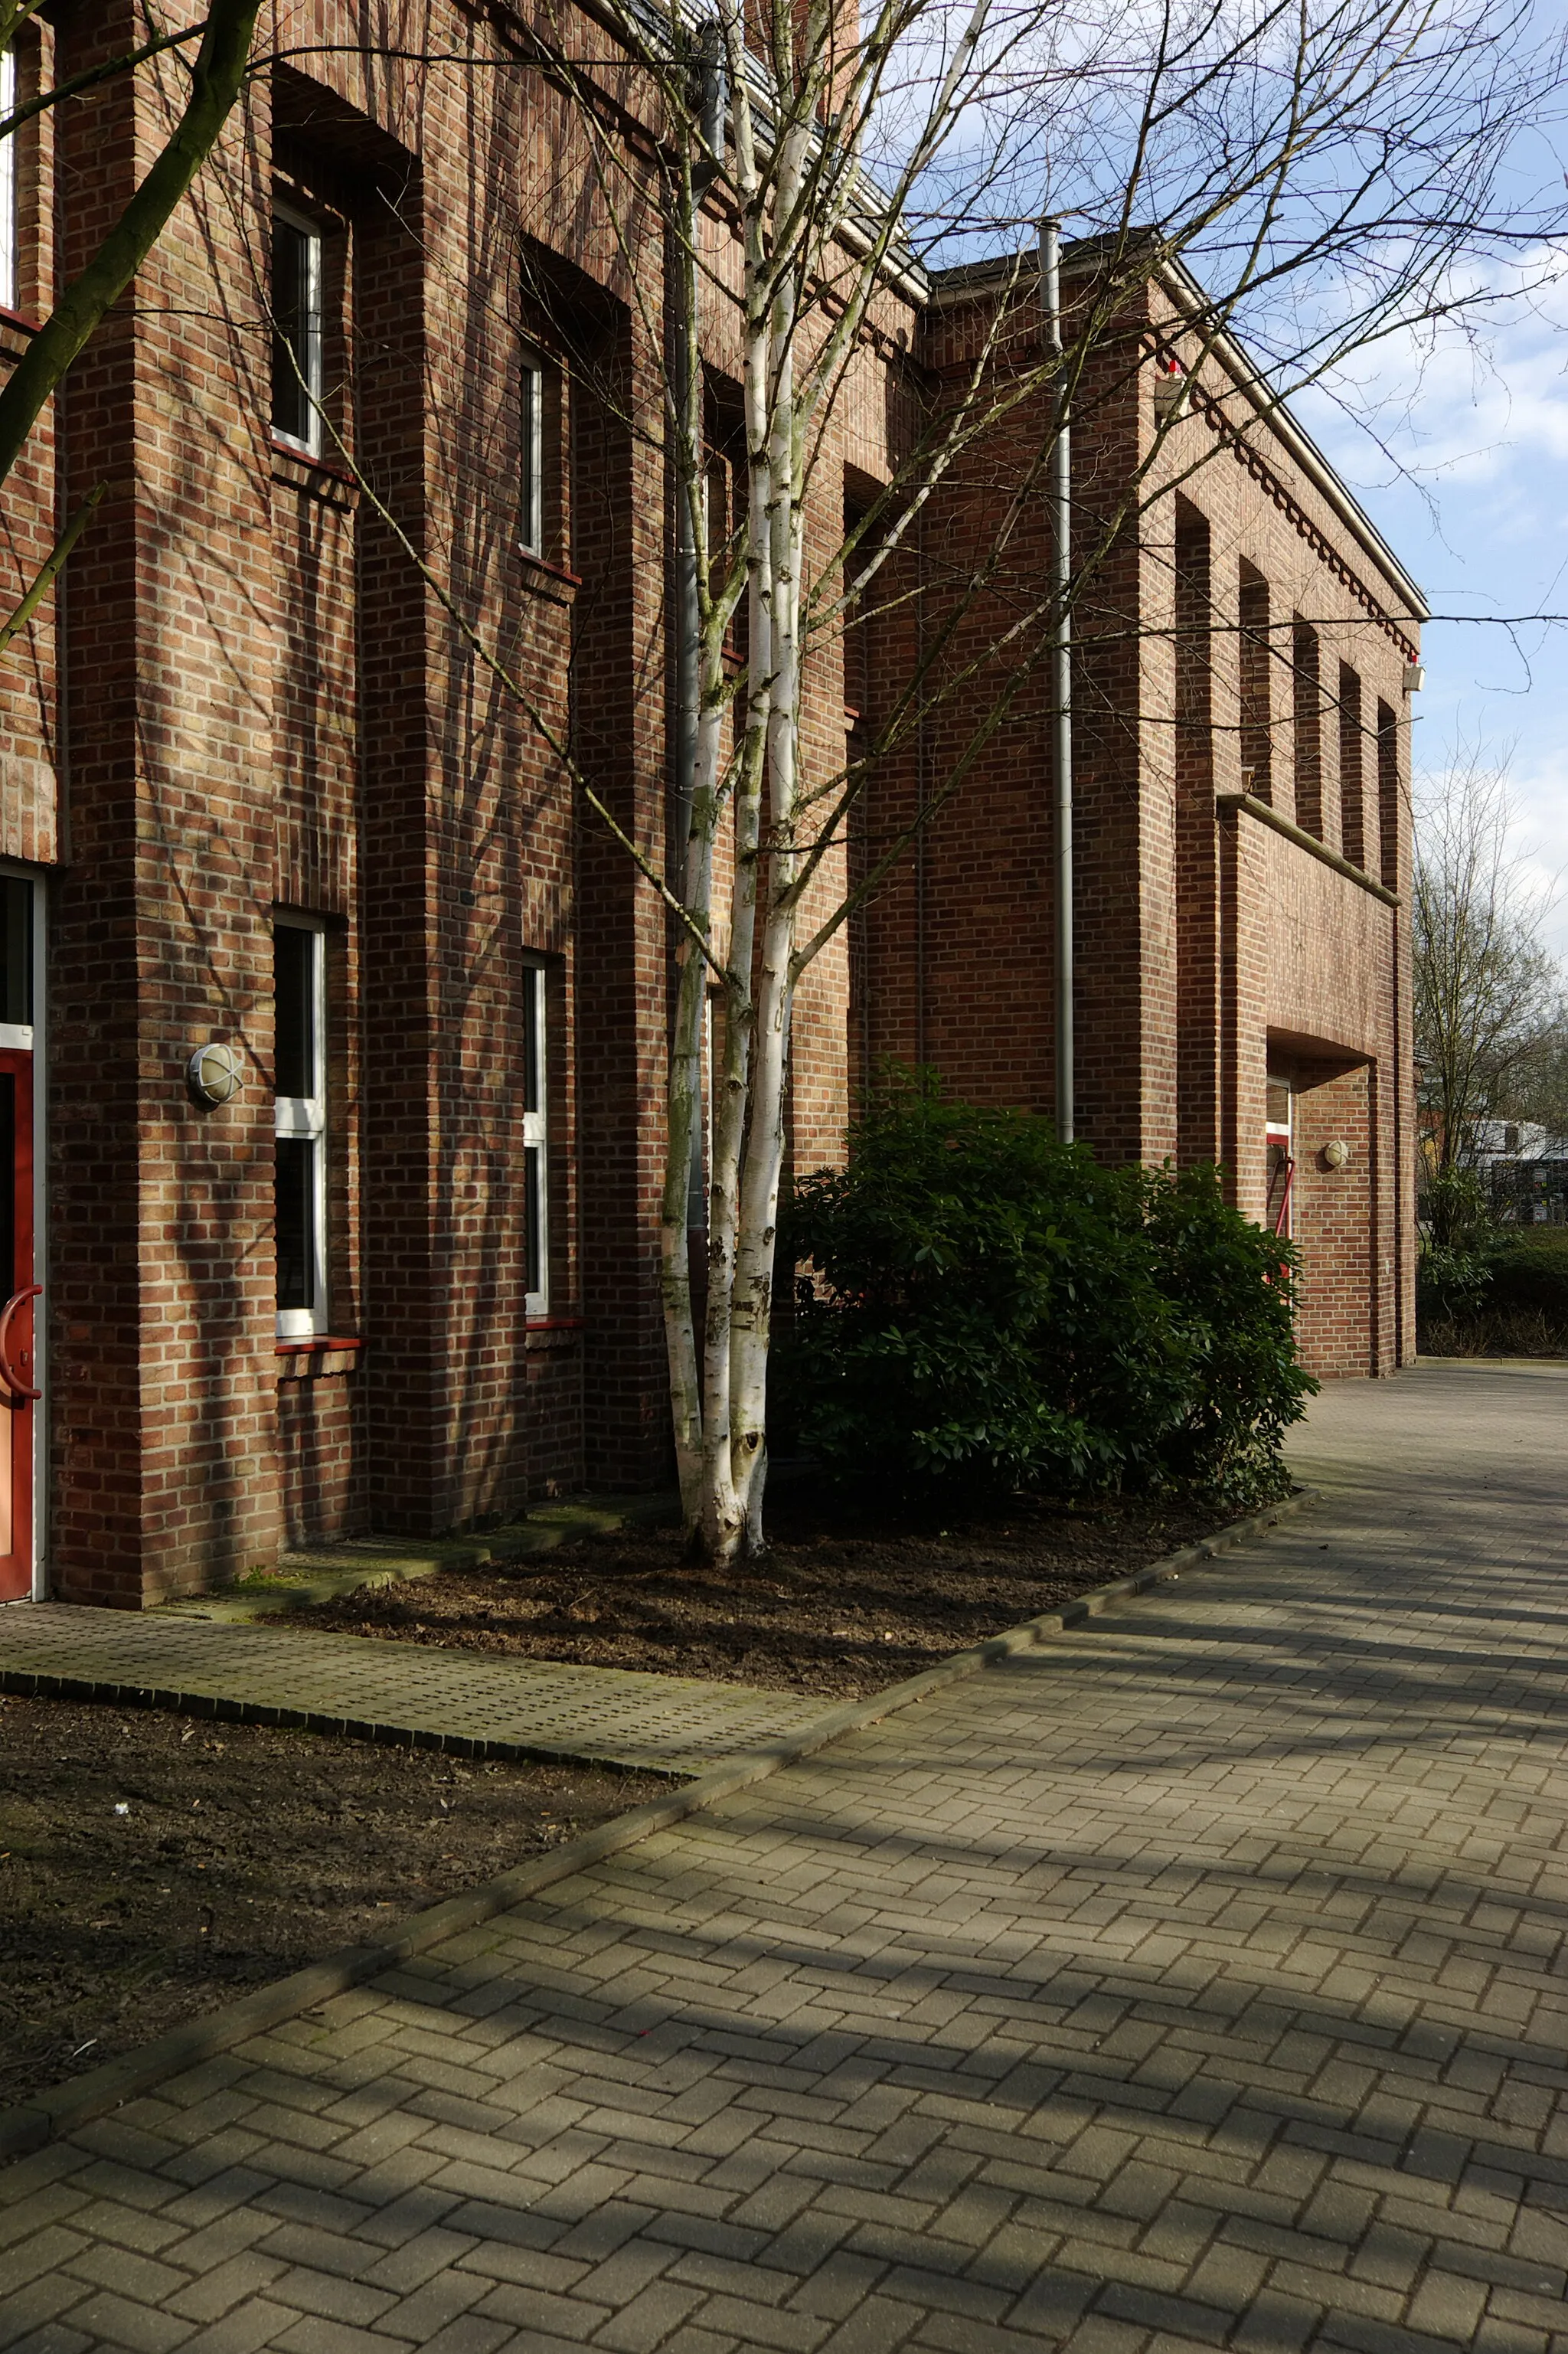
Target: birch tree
(1322, 167)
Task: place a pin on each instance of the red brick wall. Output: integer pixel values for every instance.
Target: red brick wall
(321, 1424)
(261, 705)
(1208, 948)
(164, 1426)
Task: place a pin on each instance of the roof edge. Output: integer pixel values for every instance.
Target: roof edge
(970, 279)
(1184, 289)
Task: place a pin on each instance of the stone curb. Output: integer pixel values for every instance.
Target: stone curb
(34, 2123)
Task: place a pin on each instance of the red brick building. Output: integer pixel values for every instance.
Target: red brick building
(1246, 645)
(334, 1029)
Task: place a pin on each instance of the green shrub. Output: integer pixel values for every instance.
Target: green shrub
(1233, 1288)
(1529, 1272)
(990, 1308)
(1451, 1284)
(1455, 1210)
(1504, 1294)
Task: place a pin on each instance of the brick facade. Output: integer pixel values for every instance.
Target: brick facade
(245, 701)
(1243, 642)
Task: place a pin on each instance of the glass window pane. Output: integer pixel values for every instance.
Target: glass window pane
(296, 1212)
(16, 950)
(534, 1183)
(295, 954)
(531, 500)
(533, 988)
(294, 329)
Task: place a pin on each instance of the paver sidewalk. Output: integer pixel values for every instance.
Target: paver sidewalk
(1195, 1981)
(458, 1699)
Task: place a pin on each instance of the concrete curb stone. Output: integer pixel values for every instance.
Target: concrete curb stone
(34, 2123)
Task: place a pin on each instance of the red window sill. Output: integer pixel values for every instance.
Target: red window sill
(315, 1340)
(333, 466)
(554, 571)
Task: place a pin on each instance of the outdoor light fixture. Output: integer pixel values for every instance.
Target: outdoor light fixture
(212, 1074)
(1172, 389)
(1337, 1154)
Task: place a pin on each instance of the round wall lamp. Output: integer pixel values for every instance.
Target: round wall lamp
(1337, 1154)
(212, 1074)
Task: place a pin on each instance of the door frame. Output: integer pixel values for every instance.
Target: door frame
(33, 1040)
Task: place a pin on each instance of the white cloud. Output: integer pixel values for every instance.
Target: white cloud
(1469, 401)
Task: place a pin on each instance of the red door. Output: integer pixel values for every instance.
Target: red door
(18, 1387)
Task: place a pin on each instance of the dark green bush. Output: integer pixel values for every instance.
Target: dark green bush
(1455, 1210)
(1450, 1283)
(990, 1307)
(1506, 1295)
(1528, 1271)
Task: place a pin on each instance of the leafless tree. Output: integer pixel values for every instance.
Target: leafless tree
(1316, 169)
(1488, 995)
(1321, 168)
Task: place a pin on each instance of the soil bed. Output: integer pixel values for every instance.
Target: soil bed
(840, 1607)
(153, 1866)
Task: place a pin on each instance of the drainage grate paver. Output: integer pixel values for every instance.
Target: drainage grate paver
(351, 1683)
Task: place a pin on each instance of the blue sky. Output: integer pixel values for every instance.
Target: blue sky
(1465, 470)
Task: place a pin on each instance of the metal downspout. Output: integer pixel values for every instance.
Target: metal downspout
(1059, 500)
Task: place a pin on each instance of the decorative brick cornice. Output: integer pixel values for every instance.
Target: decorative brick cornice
(1207, 405)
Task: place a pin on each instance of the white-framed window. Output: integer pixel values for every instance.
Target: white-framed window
(1280, 1150)
(296, 331)
(9, 271)
(299, 951)
(531, 456)
(535, 1139)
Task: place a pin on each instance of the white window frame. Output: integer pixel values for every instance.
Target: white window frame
(303, 1118)
(531, 454)
(309, 445)
(536, 1137)
(1282, 1133)
(10, 271)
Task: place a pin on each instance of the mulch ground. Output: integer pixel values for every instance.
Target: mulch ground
(840, 1607)
(153, 1866)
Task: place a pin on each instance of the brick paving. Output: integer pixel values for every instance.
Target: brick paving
(351, 1683)
(1193, 1982)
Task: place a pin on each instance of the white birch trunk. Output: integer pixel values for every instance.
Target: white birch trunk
(753, 1309)
(749, 1112)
